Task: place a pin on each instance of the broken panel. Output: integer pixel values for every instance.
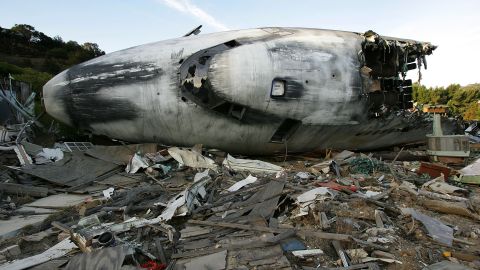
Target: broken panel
(285, 130)
(386, 62)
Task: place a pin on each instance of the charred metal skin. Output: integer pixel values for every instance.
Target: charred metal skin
(256, 91)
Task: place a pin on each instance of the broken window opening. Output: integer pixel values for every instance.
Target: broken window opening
(203, 60)
(191, 70)
(411, 66)
(223, 108)
(237, 111)
(195, 85)
(232, 43)
(285, 130)
(230, 109)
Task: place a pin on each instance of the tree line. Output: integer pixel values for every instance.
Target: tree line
(462, 101)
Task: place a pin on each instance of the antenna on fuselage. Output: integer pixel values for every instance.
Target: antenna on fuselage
(194, 31)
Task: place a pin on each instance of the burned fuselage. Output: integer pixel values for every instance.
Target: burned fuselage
(255, 91)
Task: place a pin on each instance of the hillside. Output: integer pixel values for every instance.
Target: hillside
(30, 55)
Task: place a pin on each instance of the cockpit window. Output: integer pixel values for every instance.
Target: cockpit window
(278, 88)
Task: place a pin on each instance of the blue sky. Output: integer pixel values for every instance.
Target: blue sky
(117, 24)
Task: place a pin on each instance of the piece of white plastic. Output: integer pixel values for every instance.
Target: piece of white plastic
(253, 166)
(249, 180)
(107, 193)
(312, 194)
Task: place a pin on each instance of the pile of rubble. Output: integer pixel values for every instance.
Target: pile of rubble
(79, 206)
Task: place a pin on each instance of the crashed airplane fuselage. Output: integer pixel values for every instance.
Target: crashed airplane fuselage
(255, 91)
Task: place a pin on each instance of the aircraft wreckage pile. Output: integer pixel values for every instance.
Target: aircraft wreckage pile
(149, 207)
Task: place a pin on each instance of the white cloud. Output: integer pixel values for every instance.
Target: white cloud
(186, 6)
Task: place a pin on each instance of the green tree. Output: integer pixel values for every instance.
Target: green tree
(462, 101)
(24, 30)
(422, 94)
(451, 89)
(463, 98)
(472, 112)
(93, 49)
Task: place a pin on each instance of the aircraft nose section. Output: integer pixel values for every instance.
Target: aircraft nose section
(54, 92)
